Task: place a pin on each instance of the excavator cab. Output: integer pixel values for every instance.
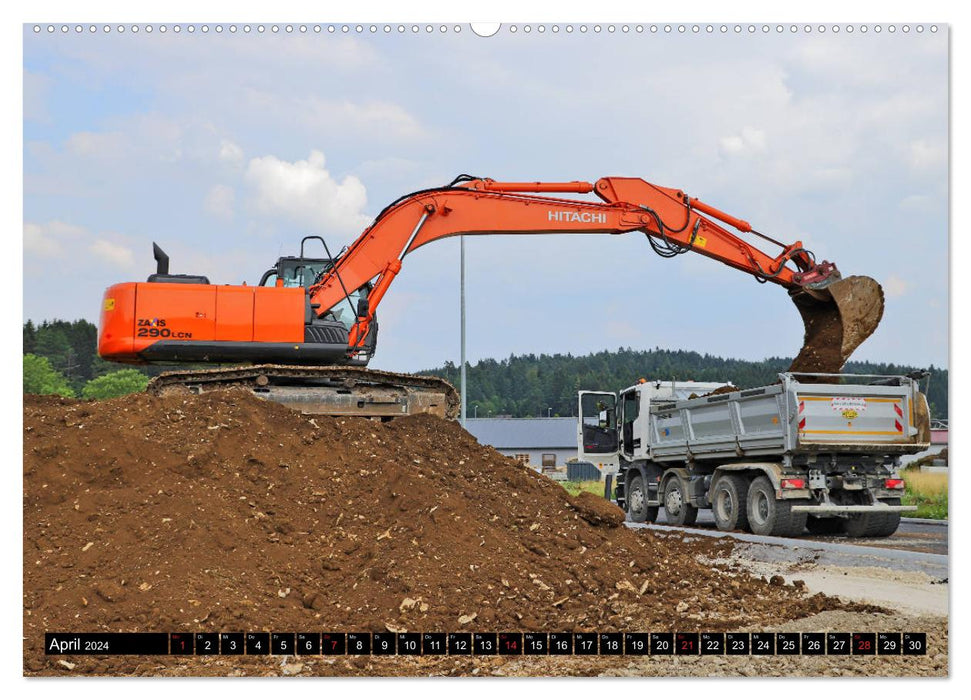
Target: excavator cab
(303, 271)
(294, 272)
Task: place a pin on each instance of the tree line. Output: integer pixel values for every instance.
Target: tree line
(61, 357)
(540, 385)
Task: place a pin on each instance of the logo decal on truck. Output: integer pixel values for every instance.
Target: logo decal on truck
(844, 405)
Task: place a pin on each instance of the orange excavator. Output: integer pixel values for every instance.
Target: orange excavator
(306, 333)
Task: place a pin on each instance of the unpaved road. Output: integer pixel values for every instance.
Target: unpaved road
(830, 550)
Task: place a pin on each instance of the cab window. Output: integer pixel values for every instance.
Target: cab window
(300, 275)
(631, 406)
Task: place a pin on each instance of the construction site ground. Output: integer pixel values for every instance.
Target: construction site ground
(223, 512)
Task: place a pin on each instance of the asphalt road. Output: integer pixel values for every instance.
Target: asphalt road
(914, 535)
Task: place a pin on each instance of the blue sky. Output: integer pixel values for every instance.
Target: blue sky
(226, 149)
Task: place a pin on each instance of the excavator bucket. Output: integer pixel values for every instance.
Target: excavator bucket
(838, 318)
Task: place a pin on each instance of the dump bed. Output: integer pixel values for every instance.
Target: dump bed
(862, 413)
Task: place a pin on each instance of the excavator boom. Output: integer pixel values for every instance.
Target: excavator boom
(838, 314)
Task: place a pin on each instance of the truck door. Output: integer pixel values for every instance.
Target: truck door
(597, 428)
(629, 410)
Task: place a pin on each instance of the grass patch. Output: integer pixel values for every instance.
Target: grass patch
(575, 487)
(927, 491)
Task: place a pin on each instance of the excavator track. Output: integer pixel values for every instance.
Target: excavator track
(326, 390)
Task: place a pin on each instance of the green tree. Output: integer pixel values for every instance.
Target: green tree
(531, 385)
(41, 378)
(53, 343)
(30, 336)
(113, 384)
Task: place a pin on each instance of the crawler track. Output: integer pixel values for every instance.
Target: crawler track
(331, 390)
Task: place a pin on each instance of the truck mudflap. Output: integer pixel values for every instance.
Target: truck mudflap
(834, 509)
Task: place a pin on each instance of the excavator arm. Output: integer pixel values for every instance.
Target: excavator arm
(673, 222)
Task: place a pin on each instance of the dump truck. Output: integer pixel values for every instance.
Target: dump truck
(817, 452)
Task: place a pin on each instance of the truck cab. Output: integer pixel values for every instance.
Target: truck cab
(613, 424)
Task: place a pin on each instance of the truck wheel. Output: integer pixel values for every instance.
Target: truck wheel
(769, 516)
(728, 502)
(825, 526)
(677, 508)
(637, 507)
(874, 524)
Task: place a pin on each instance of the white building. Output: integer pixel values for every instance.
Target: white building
(529, 440)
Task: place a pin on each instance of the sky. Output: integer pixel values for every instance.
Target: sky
(227, 148)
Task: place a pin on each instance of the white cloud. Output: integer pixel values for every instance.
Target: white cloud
(842, 61)
(306, 192)
(50, 240)
(916, 202)
(37, 88)
(118, 255)
(230, 153)
(376, 120)
(894, 286)
(749, 140)
(620, 331)
(832, 176)
(131, 140)
(220, 201)
(924, 155)
(59, 240)
(109, 144)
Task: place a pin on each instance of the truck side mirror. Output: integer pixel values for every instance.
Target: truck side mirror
(362, 307)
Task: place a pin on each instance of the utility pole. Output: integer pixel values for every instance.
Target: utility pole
(462, 323)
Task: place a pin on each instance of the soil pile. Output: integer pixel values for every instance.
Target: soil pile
(224, 512)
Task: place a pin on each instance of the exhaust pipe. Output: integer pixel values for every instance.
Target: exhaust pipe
(161, 259)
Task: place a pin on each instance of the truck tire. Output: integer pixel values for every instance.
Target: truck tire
(728, 502)
(874, 524)
(637, 507)
(769, 516)
(677, 509)
(825, 526)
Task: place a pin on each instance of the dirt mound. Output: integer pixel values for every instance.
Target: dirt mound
(224, 512)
